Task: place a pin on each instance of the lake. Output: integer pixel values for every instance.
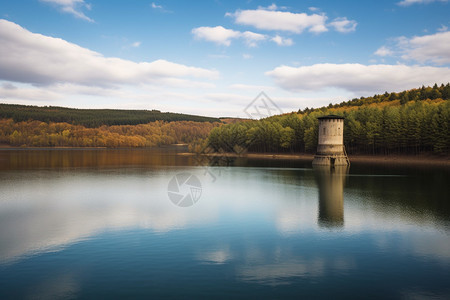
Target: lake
(150, 223)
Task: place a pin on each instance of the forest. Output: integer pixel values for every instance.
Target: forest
(411, 122)
(423, 93)
(92, 117)
(35, 133)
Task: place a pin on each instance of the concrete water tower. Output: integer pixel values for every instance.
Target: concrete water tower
(331, 150)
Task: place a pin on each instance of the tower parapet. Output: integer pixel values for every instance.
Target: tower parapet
(330, 149)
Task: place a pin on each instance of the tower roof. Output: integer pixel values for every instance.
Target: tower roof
(330, 117)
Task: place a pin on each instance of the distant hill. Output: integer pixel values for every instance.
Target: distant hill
(390, 99)
(227, 120)
(93, 117)
(415, 121)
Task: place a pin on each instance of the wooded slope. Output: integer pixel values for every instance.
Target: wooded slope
(42, 134)
(92, 117)
(410, 122)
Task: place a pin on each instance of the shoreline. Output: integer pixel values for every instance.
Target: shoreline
(420, 160)
(417, 160)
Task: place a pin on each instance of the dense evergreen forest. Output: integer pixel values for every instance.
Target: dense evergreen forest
(423, 93)
(411, 122)
(93, 117)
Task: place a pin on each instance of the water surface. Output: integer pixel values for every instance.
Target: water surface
(100, 224)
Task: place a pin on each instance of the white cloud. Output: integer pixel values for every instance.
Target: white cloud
(343, 25)
(247, 56)
(218, 34)
(432, 48)
(250, 87)
(428, 48)
(280, 20)
(136, 44)
(156, 6)
(280, 41)
(159, 8)
(268, 18)
(273, 6)
(34, 58)
(229, 98)
(383, 51)
(72, 7)
(357, 78)
(411, 2)
(252, 39)
(10, 91)
(443, 28)
(223, 36)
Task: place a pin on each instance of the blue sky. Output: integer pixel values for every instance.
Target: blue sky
(214, 57)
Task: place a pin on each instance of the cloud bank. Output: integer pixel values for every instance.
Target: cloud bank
(41, 60)
(433, 48)
(280, 20)
(223, 36)
(429, 48)
(268, 18)
(357, 78)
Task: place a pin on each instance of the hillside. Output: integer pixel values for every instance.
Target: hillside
(41, 134)
(93, 117)
(390, 99)
(409, 122)
(33, 126)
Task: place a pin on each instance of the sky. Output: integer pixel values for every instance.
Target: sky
(214, 58)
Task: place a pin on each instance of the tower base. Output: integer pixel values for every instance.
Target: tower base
(331, 160)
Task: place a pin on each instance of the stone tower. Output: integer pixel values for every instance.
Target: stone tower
(331, 150)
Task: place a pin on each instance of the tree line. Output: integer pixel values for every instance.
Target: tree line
(423, 93)
(35, 133)
(410, 122)
(374, 127)
(93, 117)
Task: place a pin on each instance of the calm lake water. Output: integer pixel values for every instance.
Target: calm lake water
(154, 224)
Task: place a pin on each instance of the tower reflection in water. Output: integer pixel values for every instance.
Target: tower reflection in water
(331, 182)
